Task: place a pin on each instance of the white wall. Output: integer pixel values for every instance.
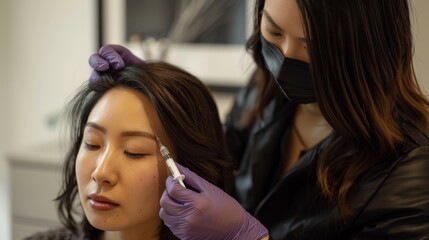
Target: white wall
(4, 79)
(4, 70)
(52, 41)
(45, 47)
(421, 36)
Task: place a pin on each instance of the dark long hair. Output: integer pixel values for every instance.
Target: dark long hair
(361, 57)
(187, 113)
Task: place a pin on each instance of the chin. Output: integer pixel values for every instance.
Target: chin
(106, 223)
(103, 220)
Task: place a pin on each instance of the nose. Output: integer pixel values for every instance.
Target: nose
(291, 48)
(106, 170)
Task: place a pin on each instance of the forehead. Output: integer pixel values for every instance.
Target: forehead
(286, 14)
(125, 109)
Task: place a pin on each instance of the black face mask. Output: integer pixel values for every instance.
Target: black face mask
(292, 75)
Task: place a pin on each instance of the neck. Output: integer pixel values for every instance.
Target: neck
(119, 235)
(311, 115)
(137, 233)
(309, 125)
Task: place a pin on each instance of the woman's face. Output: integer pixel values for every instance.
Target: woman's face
(120, 172)
(282, 25)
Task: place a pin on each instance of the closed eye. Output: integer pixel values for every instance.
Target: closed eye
(273, 33)
(91, 147)
(135, 155)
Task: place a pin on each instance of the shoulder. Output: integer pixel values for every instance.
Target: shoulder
(410, 168)
(406, 180)
(54, 234)
(393, 196)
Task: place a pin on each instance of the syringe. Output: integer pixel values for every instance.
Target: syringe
(170, 163)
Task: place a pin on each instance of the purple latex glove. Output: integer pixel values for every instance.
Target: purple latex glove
(111, 56)
(209, 213)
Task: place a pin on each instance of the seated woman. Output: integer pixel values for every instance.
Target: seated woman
(114, 166)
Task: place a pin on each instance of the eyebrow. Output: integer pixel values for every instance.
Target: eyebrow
(277, 27)
(123, 134)
(270, 19)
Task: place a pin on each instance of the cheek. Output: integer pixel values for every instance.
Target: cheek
(144, 195)
(83, 169)
(263, 29)
(149, 182)
(262, 26)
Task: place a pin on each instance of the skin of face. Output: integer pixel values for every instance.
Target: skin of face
(120, 172)
(282, 25)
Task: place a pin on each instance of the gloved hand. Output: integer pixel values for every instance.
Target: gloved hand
(111, 56)
(209, 213)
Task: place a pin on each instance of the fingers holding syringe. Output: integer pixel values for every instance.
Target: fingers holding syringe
(176, 200)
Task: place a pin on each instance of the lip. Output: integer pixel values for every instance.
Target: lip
(101, 203)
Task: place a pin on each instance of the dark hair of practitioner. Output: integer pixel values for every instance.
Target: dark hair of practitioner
(361, 61)
(187, 112)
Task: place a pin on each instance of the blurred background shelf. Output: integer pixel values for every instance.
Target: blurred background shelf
(34, 178)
